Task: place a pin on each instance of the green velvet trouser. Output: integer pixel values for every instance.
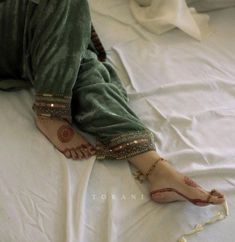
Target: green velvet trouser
(48, 46)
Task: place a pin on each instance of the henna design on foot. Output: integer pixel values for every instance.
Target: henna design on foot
(65, 133)
(188, 181)
(172, 195)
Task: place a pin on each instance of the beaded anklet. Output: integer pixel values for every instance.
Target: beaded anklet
(141, 177)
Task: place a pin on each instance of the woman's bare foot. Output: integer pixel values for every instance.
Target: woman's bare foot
(63, 136)
(169, 185)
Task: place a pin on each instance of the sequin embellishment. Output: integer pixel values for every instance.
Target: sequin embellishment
(49, 105)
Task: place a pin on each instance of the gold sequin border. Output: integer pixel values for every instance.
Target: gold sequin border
(126, 145)
(52, 106)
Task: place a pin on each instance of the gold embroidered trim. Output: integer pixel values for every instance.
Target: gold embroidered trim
(52, 95)
(49, 105)
(126, 145)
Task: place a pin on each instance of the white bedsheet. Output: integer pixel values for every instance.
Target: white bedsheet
(183, 90)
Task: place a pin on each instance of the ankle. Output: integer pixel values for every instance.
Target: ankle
(152, 172)
(144, 161)
(159, 171)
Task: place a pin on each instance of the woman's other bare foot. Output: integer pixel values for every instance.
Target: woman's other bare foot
(64, 137)
(169, 185)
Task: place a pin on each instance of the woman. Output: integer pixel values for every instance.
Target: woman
(50, 45)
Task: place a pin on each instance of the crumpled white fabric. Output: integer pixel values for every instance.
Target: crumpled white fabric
(163, 15)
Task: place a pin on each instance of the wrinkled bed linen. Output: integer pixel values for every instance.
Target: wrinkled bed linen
(184, 91)
(160, 16)
(164, 15)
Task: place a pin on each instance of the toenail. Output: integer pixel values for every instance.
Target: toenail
(80, 154)
(67, 154)
(74, 154)
(85, 150)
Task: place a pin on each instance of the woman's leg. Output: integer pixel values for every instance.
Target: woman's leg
(12, 20)
(56, 35)
(11, 40)
(100, 107)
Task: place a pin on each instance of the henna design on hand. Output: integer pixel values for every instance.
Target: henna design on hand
(65, 133)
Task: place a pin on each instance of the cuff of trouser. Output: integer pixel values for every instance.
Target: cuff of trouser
(126, 145)
(53, 106)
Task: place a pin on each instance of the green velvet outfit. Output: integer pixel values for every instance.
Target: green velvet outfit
(50, 45)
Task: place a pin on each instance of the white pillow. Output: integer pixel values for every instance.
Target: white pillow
(208, 5)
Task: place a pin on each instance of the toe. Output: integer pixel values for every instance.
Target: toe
(85, 151)
(216, 197)
(216, 193)
(79, 153)
(216, 200)
(91, 149)
(67, 154)
(74, 154)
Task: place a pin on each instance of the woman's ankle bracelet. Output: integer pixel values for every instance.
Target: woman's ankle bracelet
(141, 177)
